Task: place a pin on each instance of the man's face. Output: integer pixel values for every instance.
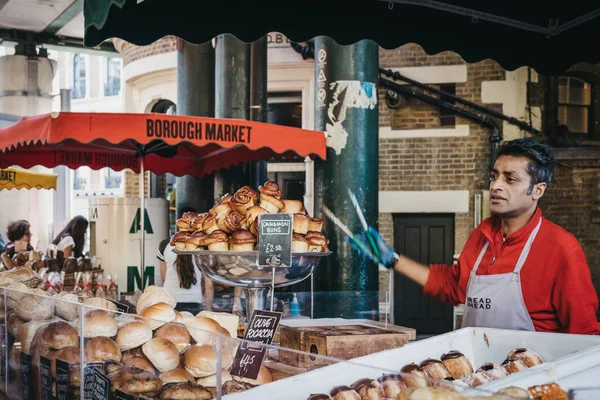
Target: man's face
(511, 194)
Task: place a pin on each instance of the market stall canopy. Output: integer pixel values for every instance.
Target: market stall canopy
(167, 143)
(547, 35)
(13, 178)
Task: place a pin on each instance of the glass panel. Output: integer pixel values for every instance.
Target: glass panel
(576, 118)
(112, 86)
(574, 91)
(79, 77)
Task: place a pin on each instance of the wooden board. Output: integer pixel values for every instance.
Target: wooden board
(342, 342)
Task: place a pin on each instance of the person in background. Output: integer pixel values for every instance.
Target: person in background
(517, 269)
(181, 279)
(72, 239)
(18, 231)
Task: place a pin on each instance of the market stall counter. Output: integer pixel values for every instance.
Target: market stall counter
(55, 345)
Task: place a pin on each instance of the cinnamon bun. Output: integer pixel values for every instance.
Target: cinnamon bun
(299, 243)
(210, 224)
(241, 240)
(300, 224)
(243, 199)
(230, 221)
(216, 241)
(270, 188)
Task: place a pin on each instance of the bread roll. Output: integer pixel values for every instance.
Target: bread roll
(35, 306)
(216, 241)
(27, 332)
(211, 380)
(158, 314)
(201, 360)
(133, 334)
(102, 348)
(162, 353)
(204, 330)
(24, 275)
(99, 302)
(155, 294)
(99, 323)
(70, 354)
(60, 334)
(264, 376)
(177, 334)
(300, 224)
(315, 224)
(177, 375)
(14, 324)
(135, 381)
(67, 306)
(234, 386)
(178, 317)
(241, 240)
(186, 317)
(140, 362)
(228, 321)
(184, 391)
(16, 292)
(299, 243)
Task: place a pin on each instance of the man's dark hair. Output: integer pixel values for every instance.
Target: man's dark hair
(17, 229)
(541, 162)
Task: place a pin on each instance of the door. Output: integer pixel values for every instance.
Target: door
(426, 238)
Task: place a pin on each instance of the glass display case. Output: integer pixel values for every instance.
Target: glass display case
(57, 347)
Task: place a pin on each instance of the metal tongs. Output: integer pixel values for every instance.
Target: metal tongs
(347, 231)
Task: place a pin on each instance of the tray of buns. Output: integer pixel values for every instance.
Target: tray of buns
(476, 359)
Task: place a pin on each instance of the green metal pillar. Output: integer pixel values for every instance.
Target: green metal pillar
(258, 102)
(347, 109)
(195, 97)
(232, 100)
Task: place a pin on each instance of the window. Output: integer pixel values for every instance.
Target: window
(79, 77)
(112, 85)
(112, 179)
(574, 104)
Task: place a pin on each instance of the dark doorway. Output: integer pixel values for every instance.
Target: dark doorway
(427, 238)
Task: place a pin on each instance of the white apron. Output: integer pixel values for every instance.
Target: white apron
(496, 301)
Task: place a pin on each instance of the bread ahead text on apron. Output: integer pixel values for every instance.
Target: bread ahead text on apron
(496, 301)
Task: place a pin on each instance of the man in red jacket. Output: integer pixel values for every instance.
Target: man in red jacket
(517, 270)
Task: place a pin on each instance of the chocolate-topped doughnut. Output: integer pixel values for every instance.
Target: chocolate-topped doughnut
(434, 369)
(529, 357)
(319, 396)
(493, 371)
(369, 389)
(393, 385)
(512, 367)
(413, 376)
(457, 364)
(344, 393)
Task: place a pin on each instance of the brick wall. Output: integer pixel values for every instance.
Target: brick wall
(438, 163)
(573, 202)
(131, 52)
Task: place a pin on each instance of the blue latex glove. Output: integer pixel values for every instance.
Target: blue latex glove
(386, 253)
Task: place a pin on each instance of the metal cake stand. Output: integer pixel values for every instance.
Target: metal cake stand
(241, 269)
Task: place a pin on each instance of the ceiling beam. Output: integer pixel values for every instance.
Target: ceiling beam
(65, 43)
(64, 18)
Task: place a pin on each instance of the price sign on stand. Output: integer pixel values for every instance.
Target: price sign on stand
(587, 393)
(101, 386)
(275, 240)
(62, 380)
(89, 378)
(122, 308)
(26, 376)
(250, 354)
(46, 378)
(123, 396)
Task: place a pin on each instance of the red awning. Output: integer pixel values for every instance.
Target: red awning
(177, 144)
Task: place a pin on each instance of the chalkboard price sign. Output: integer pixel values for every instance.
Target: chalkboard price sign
(101, 389)
(123, 396)
(123, 308)
(251, 352)
(89, 380)
(275, 240)
(26, 376)
(46, 378)
(62, 380)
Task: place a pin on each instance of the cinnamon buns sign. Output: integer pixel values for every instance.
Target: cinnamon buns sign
(275, 240)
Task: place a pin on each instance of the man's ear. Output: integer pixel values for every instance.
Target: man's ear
(539, 190)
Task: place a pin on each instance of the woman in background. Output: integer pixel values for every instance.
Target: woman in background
(18, 231)
(72, 239)
(181, 279)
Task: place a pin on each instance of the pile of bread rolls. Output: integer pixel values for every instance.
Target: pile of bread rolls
(159, 352)
(232, 224)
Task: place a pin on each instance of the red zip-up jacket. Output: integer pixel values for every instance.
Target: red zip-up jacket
(555, 279)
